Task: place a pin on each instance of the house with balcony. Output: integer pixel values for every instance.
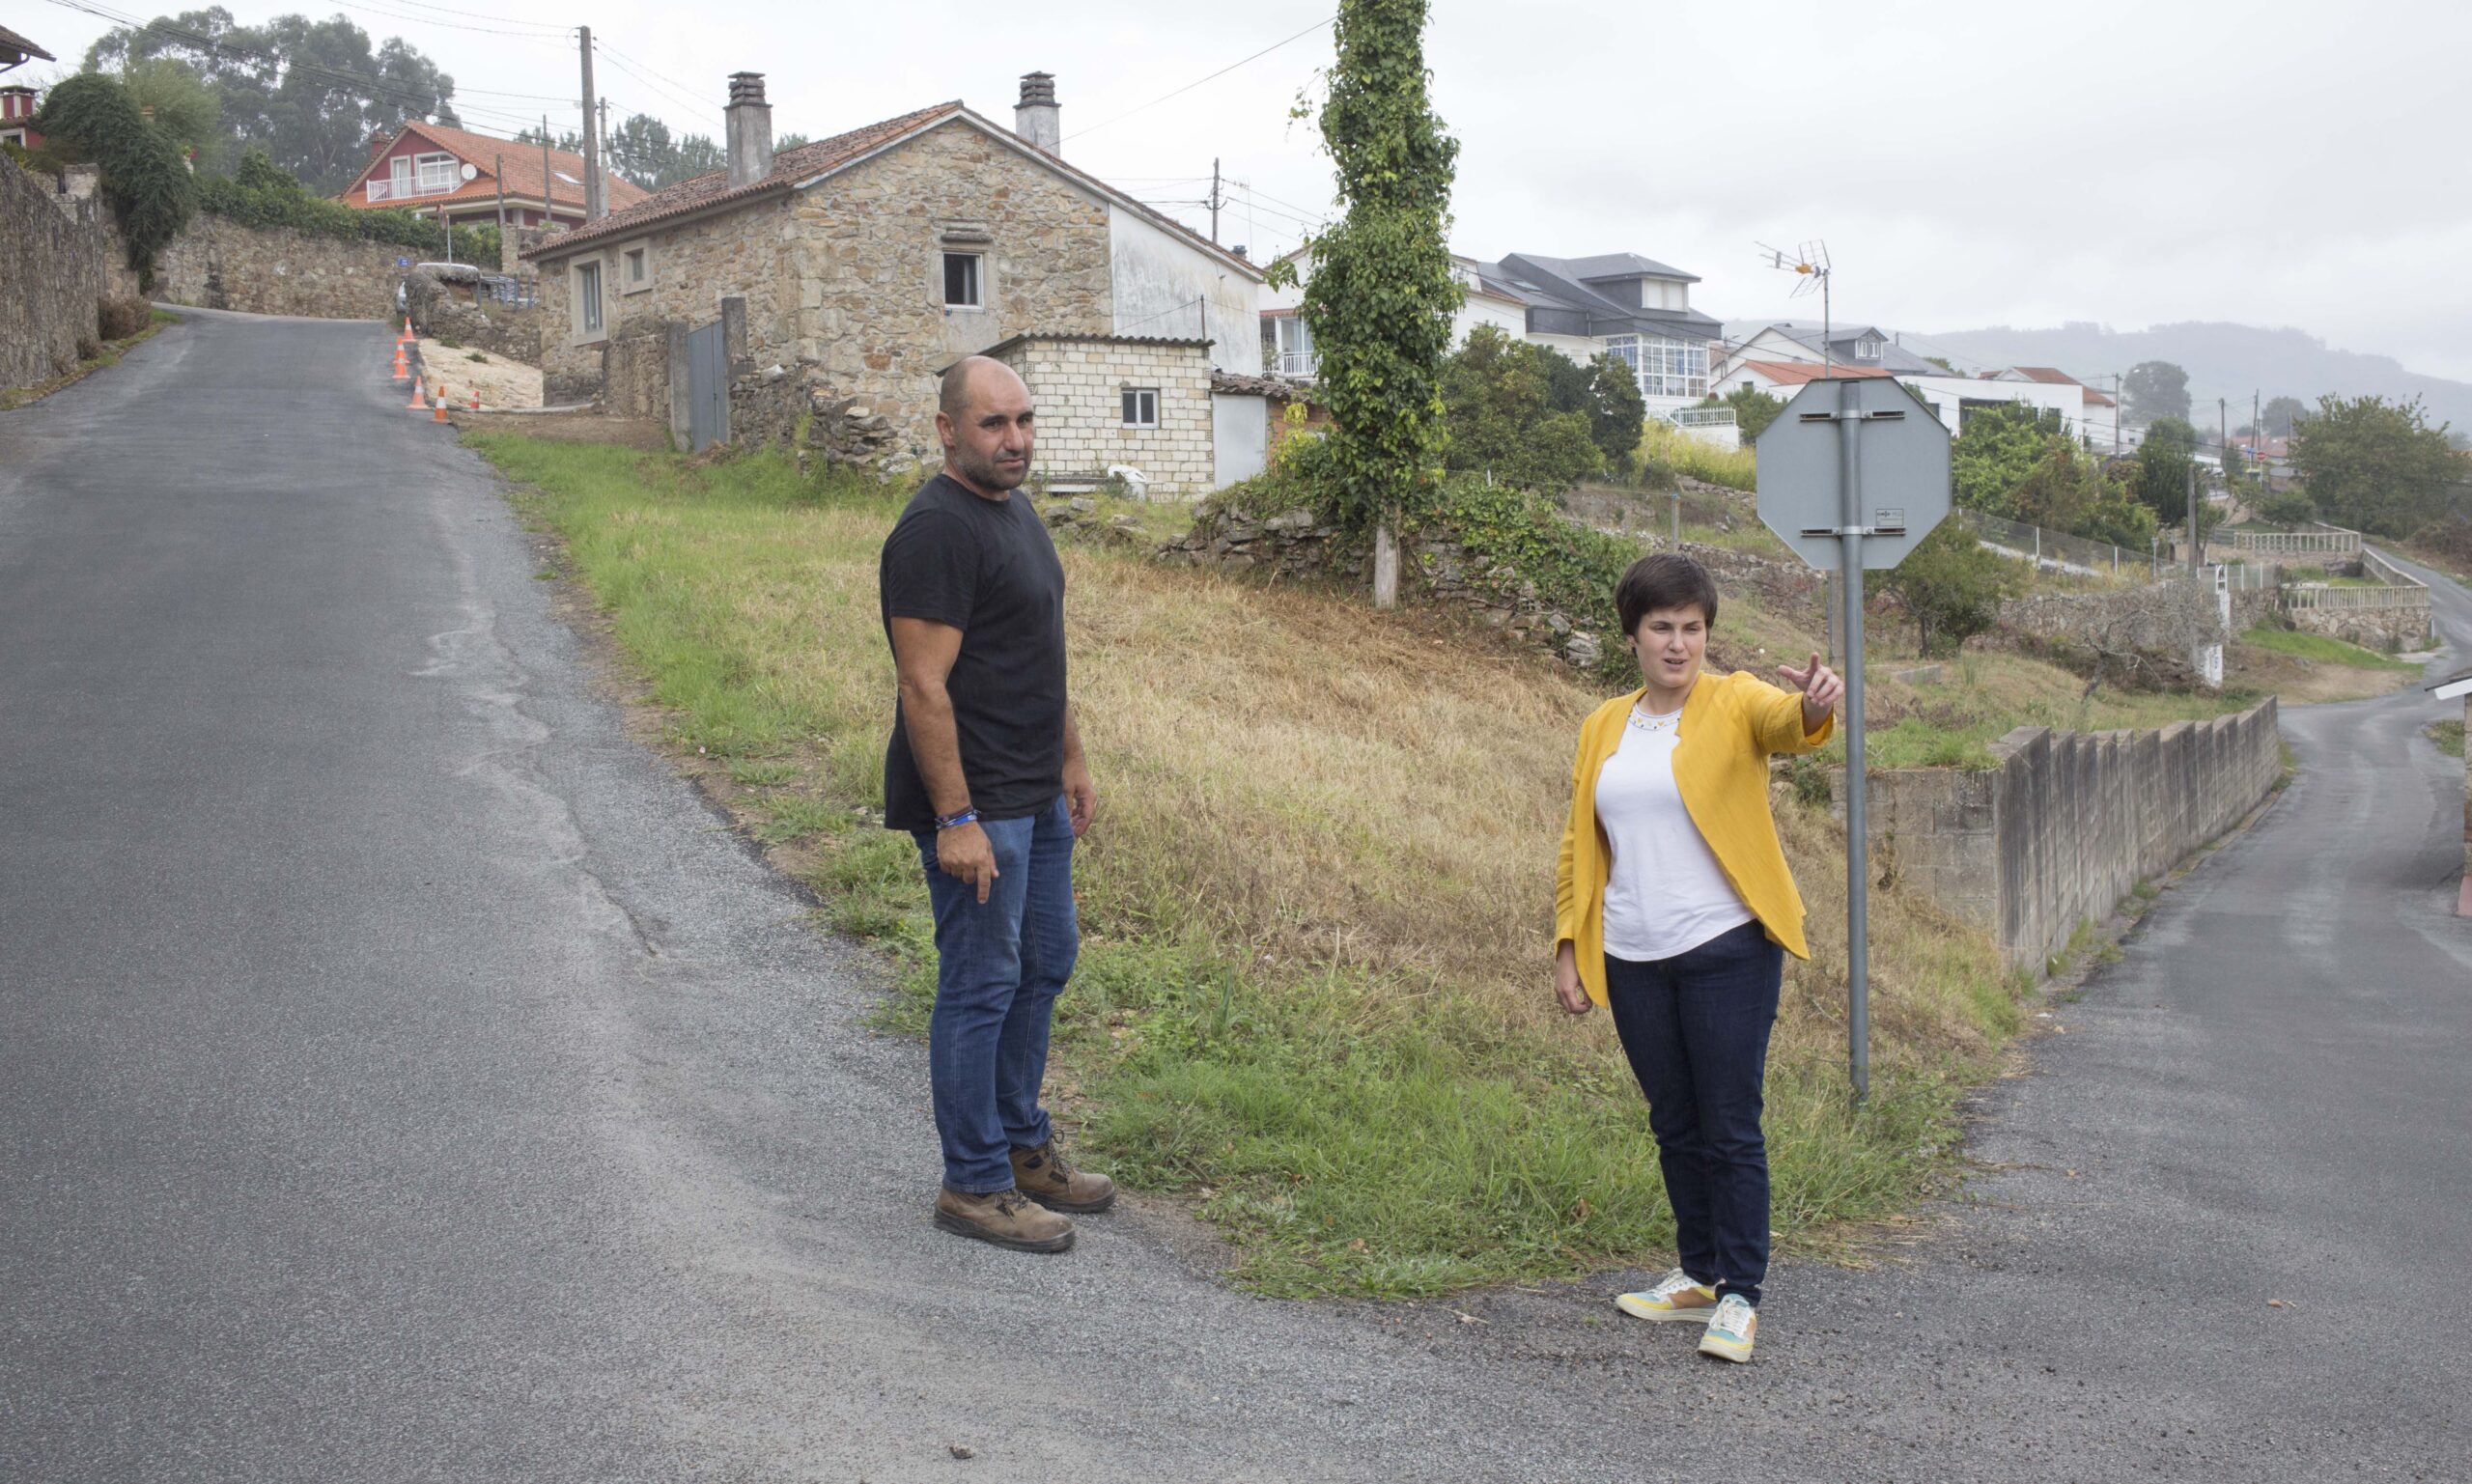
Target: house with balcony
(16, 101)
(436, 170)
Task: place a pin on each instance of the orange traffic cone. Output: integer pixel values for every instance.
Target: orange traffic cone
(419, 403)
(402, 371)
(476, 402)
(408, 331)
(439, 415)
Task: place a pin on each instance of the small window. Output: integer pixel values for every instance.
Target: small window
(636, 269)
(960, 281)
(588, 299)
(1141, 406)
(1867, 348)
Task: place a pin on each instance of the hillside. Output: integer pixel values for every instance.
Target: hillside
(2230, 361)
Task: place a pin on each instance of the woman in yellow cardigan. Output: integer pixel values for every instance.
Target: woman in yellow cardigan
(1673, 908)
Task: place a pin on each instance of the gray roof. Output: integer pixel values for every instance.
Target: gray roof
(1618, 265)
(1894, 357)
(1552, 287)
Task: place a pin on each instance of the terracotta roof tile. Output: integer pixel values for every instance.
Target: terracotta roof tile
(713, 187)
(523, 178)
(1800, 373)
(10, 41)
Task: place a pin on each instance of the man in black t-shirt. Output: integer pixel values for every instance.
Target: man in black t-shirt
(985, 770)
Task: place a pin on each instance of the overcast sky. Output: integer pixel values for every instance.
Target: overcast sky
(1966, 164)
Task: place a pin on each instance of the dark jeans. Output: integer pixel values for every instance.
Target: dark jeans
(998, 967)
(1695, 1028)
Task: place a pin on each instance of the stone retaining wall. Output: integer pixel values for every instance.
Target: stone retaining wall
(2068, 823)
(220, 263)
(453, 312)
(61, 258)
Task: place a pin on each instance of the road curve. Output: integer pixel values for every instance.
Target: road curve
(401, 1075)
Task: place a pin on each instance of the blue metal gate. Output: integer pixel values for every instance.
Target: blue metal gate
(708, 388)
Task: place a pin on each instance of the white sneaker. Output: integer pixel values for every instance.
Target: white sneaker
(1676, 1296)
(1730, 1334)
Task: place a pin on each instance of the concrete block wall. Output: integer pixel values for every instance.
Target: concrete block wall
(2068, 823)
(1077, 386)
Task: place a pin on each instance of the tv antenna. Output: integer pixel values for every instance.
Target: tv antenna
(1809, 262)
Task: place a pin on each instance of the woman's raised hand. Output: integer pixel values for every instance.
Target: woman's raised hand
(1820, 686)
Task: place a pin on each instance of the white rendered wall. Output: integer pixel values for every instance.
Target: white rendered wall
(1157, 279)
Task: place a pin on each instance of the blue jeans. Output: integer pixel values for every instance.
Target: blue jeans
(998, 967)
(1695, 1028)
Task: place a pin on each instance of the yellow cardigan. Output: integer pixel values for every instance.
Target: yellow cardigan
(1730, 725)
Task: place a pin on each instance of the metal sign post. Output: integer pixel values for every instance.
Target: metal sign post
(1819, 470)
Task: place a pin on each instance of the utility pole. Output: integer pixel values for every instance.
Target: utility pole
(592, 209)
(546, 176)
(2222, 439)
(1214, 200)
(2119, 409)
(604, 141)
(2194, 553)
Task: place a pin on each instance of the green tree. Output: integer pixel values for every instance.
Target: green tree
(640, 150)
(1997, 451)
(1498, 397)
(2157, 389)
(2290, 508)
(2379, 465)
(310, 92)
(2163, 464)
(1951, 588)
(1382, 294)
(145, 182)
(2280, 414)
(1754, 409)
(170, 94)
(1616, 412)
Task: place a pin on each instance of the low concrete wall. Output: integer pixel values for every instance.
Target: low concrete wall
(60, 259)
(220, 263)
(2068, 821)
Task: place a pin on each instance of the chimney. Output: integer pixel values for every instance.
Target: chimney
(1036, 118)
(377, 143)
(749, 129)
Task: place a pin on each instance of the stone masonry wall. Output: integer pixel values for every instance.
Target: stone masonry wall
(217, 264)
(692, 268)
(447, 311)
(867, 260)
(2068, 823)
(61, 258)
(1077, 386)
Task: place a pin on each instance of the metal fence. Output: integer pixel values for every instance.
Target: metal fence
(2058, 552)
(2322, 541)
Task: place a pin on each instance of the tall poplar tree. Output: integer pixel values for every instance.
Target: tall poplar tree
(1380, 298)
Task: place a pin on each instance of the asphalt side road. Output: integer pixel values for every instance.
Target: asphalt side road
(404, 1075)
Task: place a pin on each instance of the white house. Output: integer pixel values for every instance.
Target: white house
(1780, 358)
(1620, 304)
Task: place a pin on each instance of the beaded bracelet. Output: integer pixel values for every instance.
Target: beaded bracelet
(957, 820)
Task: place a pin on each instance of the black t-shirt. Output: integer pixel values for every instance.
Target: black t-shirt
(988, 568)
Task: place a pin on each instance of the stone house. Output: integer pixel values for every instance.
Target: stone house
(864, 264)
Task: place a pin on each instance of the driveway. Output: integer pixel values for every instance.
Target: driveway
(404, 1075)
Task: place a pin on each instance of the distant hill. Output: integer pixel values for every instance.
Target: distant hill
(2222, 360)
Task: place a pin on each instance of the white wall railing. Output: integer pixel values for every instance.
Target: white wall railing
(1302, 364)
(1702, 418)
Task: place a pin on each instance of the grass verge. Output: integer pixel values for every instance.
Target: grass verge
(2449, 736)
(16, 397)
(2318, 649)
(1316, 903)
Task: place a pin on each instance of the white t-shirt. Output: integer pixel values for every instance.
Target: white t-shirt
(1665, 893)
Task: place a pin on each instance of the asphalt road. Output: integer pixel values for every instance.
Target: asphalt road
(404, 1077)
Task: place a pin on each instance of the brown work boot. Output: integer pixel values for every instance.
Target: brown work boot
(1043, 1175)
(1004, 1217)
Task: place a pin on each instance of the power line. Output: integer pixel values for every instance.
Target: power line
(1198, 81)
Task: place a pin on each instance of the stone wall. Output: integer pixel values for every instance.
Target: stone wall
(219, 264)
(455, 312)
(632, 381)
(2068, 823)
(2378, 628)
(62, 259)
(1077, 383)
(2140, 635)
(690, 270)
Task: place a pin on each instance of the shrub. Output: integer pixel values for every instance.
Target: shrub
(119, 319)
(1951, 587)
(144, 180)
(260, 193)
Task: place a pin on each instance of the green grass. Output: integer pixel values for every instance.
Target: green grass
(1311, 996)
(2322, 650)
(2449, 736)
